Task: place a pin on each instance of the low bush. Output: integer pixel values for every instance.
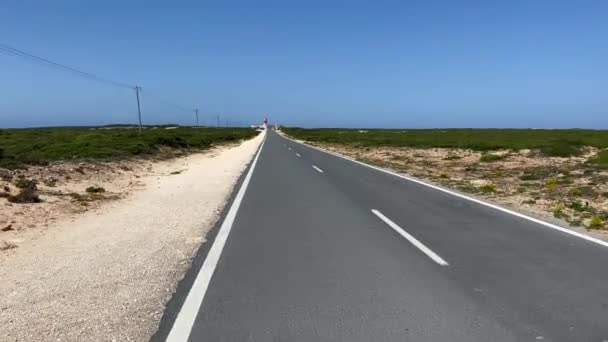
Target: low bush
(579, 206)
(596, 222)
(551, 183)
(488, 187)
(25, 196)
(560, 149)
(95, 189)
(601, 159)
(558, 211)
(490, 157)
(24, 183)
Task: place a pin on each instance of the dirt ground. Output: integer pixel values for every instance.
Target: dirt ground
(568, 189)
(100, 266)
(62, 189)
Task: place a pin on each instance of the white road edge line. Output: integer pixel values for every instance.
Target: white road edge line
(316, 168)
(297, 154)
(182, 326)
(490, 205)
(436, 258)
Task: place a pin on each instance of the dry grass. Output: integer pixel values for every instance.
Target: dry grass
(572, 188)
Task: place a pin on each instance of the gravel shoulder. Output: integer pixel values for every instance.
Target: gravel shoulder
(106, 274)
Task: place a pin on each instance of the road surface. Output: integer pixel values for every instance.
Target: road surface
(319, 248)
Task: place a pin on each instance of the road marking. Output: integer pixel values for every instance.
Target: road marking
(182, 326)
(436, 258)
(468, 198)
(297, 154)
(316, 168)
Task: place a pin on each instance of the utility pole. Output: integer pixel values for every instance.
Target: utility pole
(218, 121)
(137, 88)
(196, 112)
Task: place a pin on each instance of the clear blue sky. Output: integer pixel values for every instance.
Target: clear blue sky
(541, 63)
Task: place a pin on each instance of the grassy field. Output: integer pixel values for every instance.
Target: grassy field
(551, 142)
(38, 146)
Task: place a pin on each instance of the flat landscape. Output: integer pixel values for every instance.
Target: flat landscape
(50, 174)
(92, 246)
(559, 174)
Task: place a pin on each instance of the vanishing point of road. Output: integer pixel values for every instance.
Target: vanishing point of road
(320, 248)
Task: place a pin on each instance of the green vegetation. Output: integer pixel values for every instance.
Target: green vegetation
(95, 189)
(583, 191)
(490, 157)
(537, 173)
(577, 205)
(558, 211)
(38, 146)
(551, 183)
(596, 222)
(601, 159)
(552, 142)
(24, 183)
(487, 188)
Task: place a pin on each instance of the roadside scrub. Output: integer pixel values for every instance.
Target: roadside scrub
(20, 148)
(49, 173)
(552, 173)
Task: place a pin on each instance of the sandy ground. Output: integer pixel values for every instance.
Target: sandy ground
(106, 273)
(566, 191)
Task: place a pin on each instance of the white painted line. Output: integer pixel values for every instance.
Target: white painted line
(180, 331)
(436, 258)
(297, 154)
(316, 168)
(468, 198)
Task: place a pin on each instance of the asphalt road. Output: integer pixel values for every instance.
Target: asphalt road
(307, 259)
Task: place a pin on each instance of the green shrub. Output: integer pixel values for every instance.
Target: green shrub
(551, 183)
(558, 211)
(538, 173)
(596, 222)
(26, 195)
(601, 159)
(488, 187)
(172, 141)
(577, 205)
(95, 189)
(24, 183)
(444, 176)
(38, 146)
(490, 157)
(583, 191)
(560, 149)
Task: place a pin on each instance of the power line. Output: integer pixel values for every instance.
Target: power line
(8, 50)
(166, 102)
(43, 61)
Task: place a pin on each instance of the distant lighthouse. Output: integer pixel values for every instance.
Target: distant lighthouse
(265, 121)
